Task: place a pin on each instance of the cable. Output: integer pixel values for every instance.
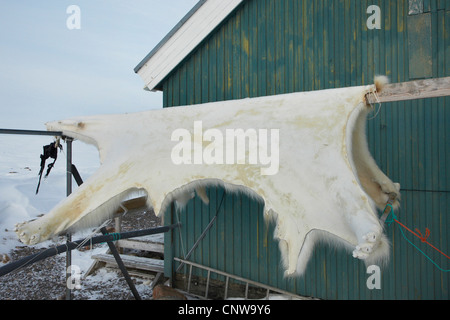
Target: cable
(424, 239)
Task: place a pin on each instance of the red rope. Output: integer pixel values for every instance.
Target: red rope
(422, 238)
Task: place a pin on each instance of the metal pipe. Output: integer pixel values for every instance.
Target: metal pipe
(68, 192)
(226, 288)
(121, 266)
(207, 284)
(31, 132)
(12, 266)
(190, 277)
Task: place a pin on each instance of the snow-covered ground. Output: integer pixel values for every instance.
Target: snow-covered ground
(19, 168)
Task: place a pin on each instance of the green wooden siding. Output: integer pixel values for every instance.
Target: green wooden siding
(272, 47)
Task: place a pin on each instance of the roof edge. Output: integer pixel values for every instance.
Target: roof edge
(170, 34)
(183, 39)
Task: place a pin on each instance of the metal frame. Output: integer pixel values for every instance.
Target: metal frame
(73, 172)
(68, 182)
(31, 132)
(228, 276)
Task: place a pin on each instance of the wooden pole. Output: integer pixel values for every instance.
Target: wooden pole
(420, 89)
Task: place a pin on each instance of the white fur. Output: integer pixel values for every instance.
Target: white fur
(380, 82)
(326, 188)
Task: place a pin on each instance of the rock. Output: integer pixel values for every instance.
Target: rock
(161, 292)
(4, 258)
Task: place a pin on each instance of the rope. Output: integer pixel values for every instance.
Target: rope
(177, 215)
(379, 105)
(89, 237)
(424, 238)
(116, 236)
(186, 256)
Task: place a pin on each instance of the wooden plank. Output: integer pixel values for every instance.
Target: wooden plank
(133, 262)
(153, 238)
(141, 245)
(133, 204)
(412, 90)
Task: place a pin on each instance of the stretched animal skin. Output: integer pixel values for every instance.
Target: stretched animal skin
(306, 156)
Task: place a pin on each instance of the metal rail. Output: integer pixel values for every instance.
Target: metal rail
(12, 266)
(228, 276)
(31, 132)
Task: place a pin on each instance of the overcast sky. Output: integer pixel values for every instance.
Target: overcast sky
(50, 72)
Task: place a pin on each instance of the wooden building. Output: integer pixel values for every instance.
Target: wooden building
(223, 50)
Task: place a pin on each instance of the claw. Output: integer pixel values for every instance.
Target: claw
(370, 237)
(359, 254)
(34, 239)
(364, 249)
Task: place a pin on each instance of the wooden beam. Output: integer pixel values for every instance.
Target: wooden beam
(134, 203)
(421, 89)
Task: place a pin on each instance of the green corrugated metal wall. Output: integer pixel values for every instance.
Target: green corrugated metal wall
(271, 47)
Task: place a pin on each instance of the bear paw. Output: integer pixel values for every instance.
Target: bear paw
(364, 249)
(28, 232)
